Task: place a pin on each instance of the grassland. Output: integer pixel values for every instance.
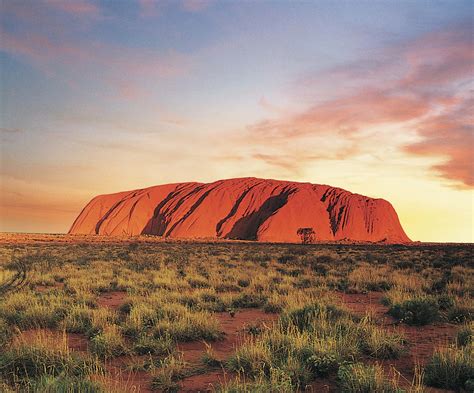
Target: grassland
(98, 315)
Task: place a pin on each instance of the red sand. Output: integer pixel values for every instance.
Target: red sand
(120, 375)
(247, 209)
(112, 300)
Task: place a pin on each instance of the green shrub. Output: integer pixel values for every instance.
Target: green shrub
(445, 302)
(198, 283)
(420, 311)
(303, 318)
(450, 368)
(249, 300)
(319, 268)
(464, 336)
(378, 286)
(284, 259)
(460, 314)
(323, 364)
(146, 345)
(272, 307)
(325, 259)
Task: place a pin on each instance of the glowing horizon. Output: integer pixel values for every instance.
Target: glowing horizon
(100, 97)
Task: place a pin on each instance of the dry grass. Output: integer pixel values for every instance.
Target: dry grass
(173, 290)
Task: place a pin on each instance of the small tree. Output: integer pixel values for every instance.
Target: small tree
(307, 235)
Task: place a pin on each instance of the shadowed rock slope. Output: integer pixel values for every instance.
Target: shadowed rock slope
(247, 208)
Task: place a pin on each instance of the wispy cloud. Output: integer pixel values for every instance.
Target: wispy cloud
(195, 5)
(7, 130)
(155, 8)
(122, 68)
(420, 88)
(75, 7)
(449, 136)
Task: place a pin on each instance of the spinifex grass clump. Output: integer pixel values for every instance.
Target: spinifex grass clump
(29, 310)
(187, 325)
(65, 384)
(108, 343)
(451, 368)
(377, 343)
(27, 364)
(277, 381)
(166, 376)
(360, 378)
(370, 278)
(313, 341)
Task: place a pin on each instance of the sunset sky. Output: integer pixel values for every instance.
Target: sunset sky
(371, 96)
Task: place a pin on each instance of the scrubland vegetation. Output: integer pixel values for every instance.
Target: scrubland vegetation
(90, 317)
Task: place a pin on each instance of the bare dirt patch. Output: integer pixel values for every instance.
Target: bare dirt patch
(361, 304)
(207, 382)
(112, 300)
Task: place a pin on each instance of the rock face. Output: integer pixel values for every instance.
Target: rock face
(247, 208)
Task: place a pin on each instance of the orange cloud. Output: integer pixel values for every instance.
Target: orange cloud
(420, 87)
(286, 162)
(439, 58)
(451, 137)
(345, 115)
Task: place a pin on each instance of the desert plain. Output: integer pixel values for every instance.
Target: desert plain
(82, 313)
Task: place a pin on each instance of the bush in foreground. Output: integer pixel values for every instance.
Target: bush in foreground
(422, 311)
(359, 378)
(26, 363)
(66, 384)
(451, 368)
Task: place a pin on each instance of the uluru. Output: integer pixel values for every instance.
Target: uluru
(246, 209)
